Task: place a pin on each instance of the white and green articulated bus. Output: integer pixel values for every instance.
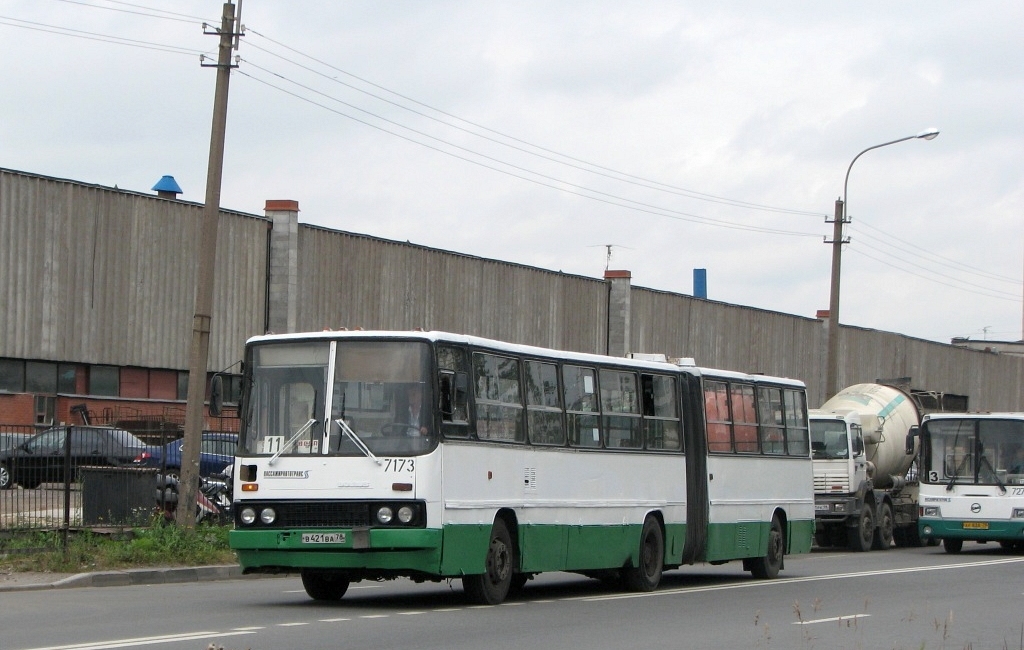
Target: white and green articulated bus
(972, 479)
(377, 455)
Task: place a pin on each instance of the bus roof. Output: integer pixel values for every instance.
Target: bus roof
(990, 415)
(515, 348)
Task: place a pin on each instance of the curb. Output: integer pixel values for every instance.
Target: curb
(131, 577)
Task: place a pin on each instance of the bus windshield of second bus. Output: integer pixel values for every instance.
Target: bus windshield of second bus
(378, 402)
(975, 451)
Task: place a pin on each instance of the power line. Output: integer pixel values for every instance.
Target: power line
(150, 12)
(94, 36)
(604, 171)
(984, 290)
(584, 192)
(916, 250)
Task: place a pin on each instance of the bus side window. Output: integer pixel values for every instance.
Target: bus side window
(453, 402)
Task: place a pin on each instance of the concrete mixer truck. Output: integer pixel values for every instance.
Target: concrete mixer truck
(863, 498)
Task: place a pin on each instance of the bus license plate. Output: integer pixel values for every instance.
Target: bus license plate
(976, 525)
(323, 538)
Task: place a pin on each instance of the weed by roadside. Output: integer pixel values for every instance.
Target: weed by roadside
(153, 546)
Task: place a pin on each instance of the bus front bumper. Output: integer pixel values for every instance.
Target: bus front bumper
(402, 550)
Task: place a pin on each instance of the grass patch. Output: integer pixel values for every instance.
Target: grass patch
(154, 546)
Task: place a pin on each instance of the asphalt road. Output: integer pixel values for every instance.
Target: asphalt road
(908, 598)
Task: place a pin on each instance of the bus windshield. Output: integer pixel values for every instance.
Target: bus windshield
(339, 398)
(975, 451)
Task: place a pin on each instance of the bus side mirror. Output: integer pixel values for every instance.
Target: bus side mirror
(216, 395)
(912, 435)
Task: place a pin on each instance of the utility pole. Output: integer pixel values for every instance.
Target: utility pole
(832, 364)
(200, 349)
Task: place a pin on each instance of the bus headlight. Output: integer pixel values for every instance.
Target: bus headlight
(930, 511)
(1018, 513)
(385, 515)
(247, 516)
(268, 516)
(405, 514)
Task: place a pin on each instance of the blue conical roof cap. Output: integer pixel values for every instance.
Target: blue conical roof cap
(167, 184)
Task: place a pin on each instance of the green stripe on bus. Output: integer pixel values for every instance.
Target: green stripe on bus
(461, 549)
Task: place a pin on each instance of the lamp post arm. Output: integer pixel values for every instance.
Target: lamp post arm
(846, 182)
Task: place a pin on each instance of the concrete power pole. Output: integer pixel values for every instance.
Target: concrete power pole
(200, 349)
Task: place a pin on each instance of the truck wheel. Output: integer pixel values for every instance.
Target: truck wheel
(953, 546)
(884, 532)
(862, 536)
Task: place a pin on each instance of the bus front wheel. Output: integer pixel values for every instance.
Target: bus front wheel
(492, 586)
(953, 546)
(324, 585)
(647, 574)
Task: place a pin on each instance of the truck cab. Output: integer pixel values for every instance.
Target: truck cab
(841, 473)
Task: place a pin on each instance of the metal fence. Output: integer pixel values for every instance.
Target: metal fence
(92, 476)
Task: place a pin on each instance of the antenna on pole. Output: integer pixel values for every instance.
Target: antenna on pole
(608, 253)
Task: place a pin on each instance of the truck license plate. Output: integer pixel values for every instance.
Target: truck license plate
(323, 538)
(821, 507)
(976, 525)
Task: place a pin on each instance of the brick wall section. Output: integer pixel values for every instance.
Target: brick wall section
(17, 409)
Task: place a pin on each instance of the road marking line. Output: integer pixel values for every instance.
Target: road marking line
(146, 640)
(375, 616)
(333, 620)
(296, 624)
(784, 581)
(852, 617)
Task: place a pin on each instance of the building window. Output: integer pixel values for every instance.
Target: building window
(12, 376)
(44, 409)
(40, 377)
(67, 378)
(183, 385)
(104, 381)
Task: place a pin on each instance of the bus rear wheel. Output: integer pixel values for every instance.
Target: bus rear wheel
(324, 585)
(953, 546)
(492, 586)
(769, 566)
(647, 574)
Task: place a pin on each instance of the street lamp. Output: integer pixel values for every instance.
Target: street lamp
(832, 370)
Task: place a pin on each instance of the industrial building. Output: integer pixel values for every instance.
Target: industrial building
(97, 299)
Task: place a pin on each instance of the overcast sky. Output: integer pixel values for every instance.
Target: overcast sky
(683, 134)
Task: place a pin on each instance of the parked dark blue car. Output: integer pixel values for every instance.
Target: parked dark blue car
(216, 453)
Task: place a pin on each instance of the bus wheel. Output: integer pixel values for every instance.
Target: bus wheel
(884, 532)
(769, 565)
(861, 537)
(647, 575)
(324, 585)
(492, 586)
(953, 546)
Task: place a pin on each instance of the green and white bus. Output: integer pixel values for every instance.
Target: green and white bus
(972, 479)
(376, 455)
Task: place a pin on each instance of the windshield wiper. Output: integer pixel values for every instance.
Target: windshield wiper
(356, 440)
(984, 461)
(291, 441)
(956, 472)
